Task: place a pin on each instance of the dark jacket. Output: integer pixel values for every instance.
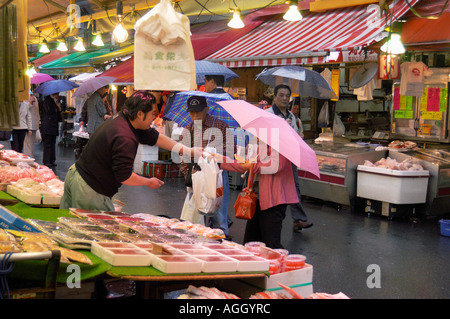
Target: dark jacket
(50, 116)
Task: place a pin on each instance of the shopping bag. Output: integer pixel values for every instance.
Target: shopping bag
(38, 138)
(245, 205)
(189, 212)
(338, 126)
(207, 187)
(323, 119)
(163, 53)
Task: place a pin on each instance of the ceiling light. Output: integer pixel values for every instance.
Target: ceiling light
(62, 46)
(236, 22)
(30, 72)
(44, 48)
(292, 14)
(79, 46)
(98, 40)
(120, 33)
(393, 45)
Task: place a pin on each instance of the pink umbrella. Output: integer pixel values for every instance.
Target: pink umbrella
(273, 131)
(39, 78)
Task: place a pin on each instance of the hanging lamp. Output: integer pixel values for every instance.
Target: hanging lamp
(98, 40)
(43, 47)
(292, 14)
(79, 46)
(62, 46)
(120, 34)
(236, 22)
(393, 45)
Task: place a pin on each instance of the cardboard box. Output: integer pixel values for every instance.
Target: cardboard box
(15, 220)
(300, 280)
(392, 186)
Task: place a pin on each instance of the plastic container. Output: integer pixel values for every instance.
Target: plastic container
(283, 253)
(392, 186)
(255, 247)
(445, 227)
(294, 261)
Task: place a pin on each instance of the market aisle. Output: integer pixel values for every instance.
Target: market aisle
(346, 249)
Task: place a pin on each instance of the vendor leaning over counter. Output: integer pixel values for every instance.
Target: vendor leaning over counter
(107, 160)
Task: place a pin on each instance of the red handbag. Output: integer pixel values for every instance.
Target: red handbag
(245, 205)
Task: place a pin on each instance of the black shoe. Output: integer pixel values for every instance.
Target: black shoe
(299, 225)
(53, 164)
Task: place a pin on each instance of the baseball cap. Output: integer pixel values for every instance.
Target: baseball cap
(196, 103)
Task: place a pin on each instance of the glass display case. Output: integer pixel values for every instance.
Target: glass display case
(337, 165)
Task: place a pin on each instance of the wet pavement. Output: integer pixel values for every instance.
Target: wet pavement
(365, 257)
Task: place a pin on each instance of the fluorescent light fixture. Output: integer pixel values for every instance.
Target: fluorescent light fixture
(292, 14)
(236, 22)
(79, 46)
(393, 45)
(62, 46)
(98, 40)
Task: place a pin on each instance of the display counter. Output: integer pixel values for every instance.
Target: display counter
(437, 162)
(337, 165)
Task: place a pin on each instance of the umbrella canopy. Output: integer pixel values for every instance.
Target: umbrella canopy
(179, 114)
(39, 78)
(55, 86)
(301, 80)
(203, 68)
(94, 84)
(274, 131)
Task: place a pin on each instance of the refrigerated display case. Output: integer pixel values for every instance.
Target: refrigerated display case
(426, 117)
(337, 165)
(437, 162)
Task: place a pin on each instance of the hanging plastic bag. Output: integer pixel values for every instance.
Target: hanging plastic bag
(338, 126)
(163, 53)
(207, 187)
(323, 119)
(189, 212)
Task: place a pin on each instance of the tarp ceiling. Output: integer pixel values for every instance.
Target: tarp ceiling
(124, 72)
(74, 63)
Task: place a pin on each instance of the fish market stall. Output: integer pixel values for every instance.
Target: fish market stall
(337, 164)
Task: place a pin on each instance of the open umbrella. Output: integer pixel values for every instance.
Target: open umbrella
(179, 114)
(301, 80)
(55, 86)
(274, 131)
(39, 78)
(94, 84)
(203, 68)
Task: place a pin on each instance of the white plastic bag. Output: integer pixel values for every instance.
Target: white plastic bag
(189, 212)
(338, 126)
(163, 53)
(323, 119)
(207, 187)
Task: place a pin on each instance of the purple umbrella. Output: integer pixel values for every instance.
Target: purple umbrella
(39, 78)
(94, 84)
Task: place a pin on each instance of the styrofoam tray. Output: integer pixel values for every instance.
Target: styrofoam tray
(218, 263)
(177, 264)
(121, 254)
(251, 263)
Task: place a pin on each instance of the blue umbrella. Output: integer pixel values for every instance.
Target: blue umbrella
(55, 86)
(203, 68)
(301, 80)
(179, 114)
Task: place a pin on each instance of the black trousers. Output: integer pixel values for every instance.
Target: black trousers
(266, 226)
(49, 145)
(18, 136)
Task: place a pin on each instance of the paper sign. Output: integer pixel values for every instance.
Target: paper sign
(401, 114)
(396, 98)
(443, 100)
(433, 100)
(424, 100)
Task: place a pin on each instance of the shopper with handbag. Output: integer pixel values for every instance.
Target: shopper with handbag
(275, 190)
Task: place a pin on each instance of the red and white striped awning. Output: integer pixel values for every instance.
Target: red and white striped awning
(308, 41)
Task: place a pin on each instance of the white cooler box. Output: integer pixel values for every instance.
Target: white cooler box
(392, 186)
